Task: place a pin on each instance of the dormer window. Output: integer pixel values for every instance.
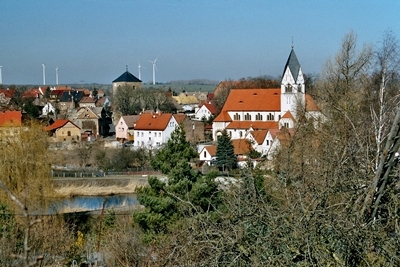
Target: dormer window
(247, 117)
(236, 117)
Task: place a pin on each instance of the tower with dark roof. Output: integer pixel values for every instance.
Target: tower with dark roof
(126, 79)
(292, 85)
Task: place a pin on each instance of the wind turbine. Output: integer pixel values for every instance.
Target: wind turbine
(44, 74)
(1, 78)
(154, 69)
(139, 66)
(57, 76)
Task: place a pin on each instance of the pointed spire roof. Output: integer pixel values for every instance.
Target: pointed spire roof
(127, 77)
(293, 64)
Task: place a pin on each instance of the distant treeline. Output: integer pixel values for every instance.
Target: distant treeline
(195, 81)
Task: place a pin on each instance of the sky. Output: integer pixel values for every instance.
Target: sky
(92, 41)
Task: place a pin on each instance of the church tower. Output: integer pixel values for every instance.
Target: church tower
(126, 79)
(292, 86)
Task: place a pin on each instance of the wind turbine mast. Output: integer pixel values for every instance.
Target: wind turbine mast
(44, 74)
(1, 77)
(139, 71)
(57, 76)
(154, 69)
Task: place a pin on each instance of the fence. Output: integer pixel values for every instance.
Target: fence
(83, 174)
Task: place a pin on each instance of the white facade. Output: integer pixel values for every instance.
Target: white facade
(202, 112)
(155, 138)
(48, 108)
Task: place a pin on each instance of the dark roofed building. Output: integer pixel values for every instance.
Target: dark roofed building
(126, 79)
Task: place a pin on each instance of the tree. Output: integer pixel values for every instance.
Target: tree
(25, 178)
(127, 101)
(183, 192)
(226, 158)
(176, 150)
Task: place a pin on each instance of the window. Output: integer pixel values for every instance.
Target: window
(122, 128)
(149, 138)
(259, 117)
(142, 134)
(247, 117)
(142, 143)
(240, 133)
(155, 134)
(236, 117)
(69, 133)
(230, 133)
(137, 133)
(267, 142)
(288, 88)
(205, 154)
(286, 124)
(159, 134)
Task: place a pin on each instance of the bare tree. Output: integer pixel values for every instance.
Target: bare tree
(25, 179)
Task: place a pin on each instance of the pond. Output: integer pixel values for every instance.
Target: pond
(94, 203)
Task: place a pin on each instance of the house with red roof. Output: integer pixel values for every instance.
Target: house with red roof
(205, 111)
(247, 111)
(154, 129)
(10, 124)
(64, 131)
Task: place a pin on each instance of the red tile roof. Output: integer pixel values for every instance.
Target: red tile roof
(259, 135)
(155, 122)
(223, 116)
(241, 146)
(310, 104)
(253, 100)
(180, 117)
(87, 99)
(10, 118)
(288, 115)
(211, 107)
(33, 93)
(212, 150)
(7, 93)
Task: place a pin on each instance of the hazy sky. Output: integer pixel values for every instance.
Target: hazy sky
(92, 41)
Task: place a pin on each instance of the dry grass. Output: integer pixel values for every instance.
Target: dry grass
(96, 189)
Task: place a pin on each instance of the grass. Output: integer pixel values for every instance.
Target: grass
(94, 188)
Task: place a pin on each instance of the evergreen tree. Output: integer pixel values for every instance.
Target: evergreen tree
(226, 158)
(184, 192)
(176, 150)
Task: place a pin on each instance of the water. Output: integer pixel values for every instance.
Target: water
(94, 203)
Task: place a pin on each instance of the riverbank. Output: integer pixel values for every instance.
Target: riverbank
(70, 187)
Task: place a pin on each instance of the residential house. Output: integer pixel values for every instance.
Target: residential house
(48, 109)
(124, 129)
(154, 129)
(10, 124)
(64, 130)
(103, 102)
(70, 100)
(205, 111)
(207, 153)
(5, 96)
(87, 101)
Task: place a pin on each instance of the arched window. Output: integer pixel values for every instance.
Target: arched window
(236, 117)
(288, 88)
(259, 117)
(247, 117)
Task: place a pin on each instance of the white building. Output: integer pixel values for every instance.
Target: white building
(154, 130)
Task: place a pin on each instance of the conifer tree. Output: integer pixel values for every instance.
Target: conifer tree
(226, 158)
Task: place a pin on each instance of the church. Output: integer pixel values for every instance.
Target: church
(258, 115)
